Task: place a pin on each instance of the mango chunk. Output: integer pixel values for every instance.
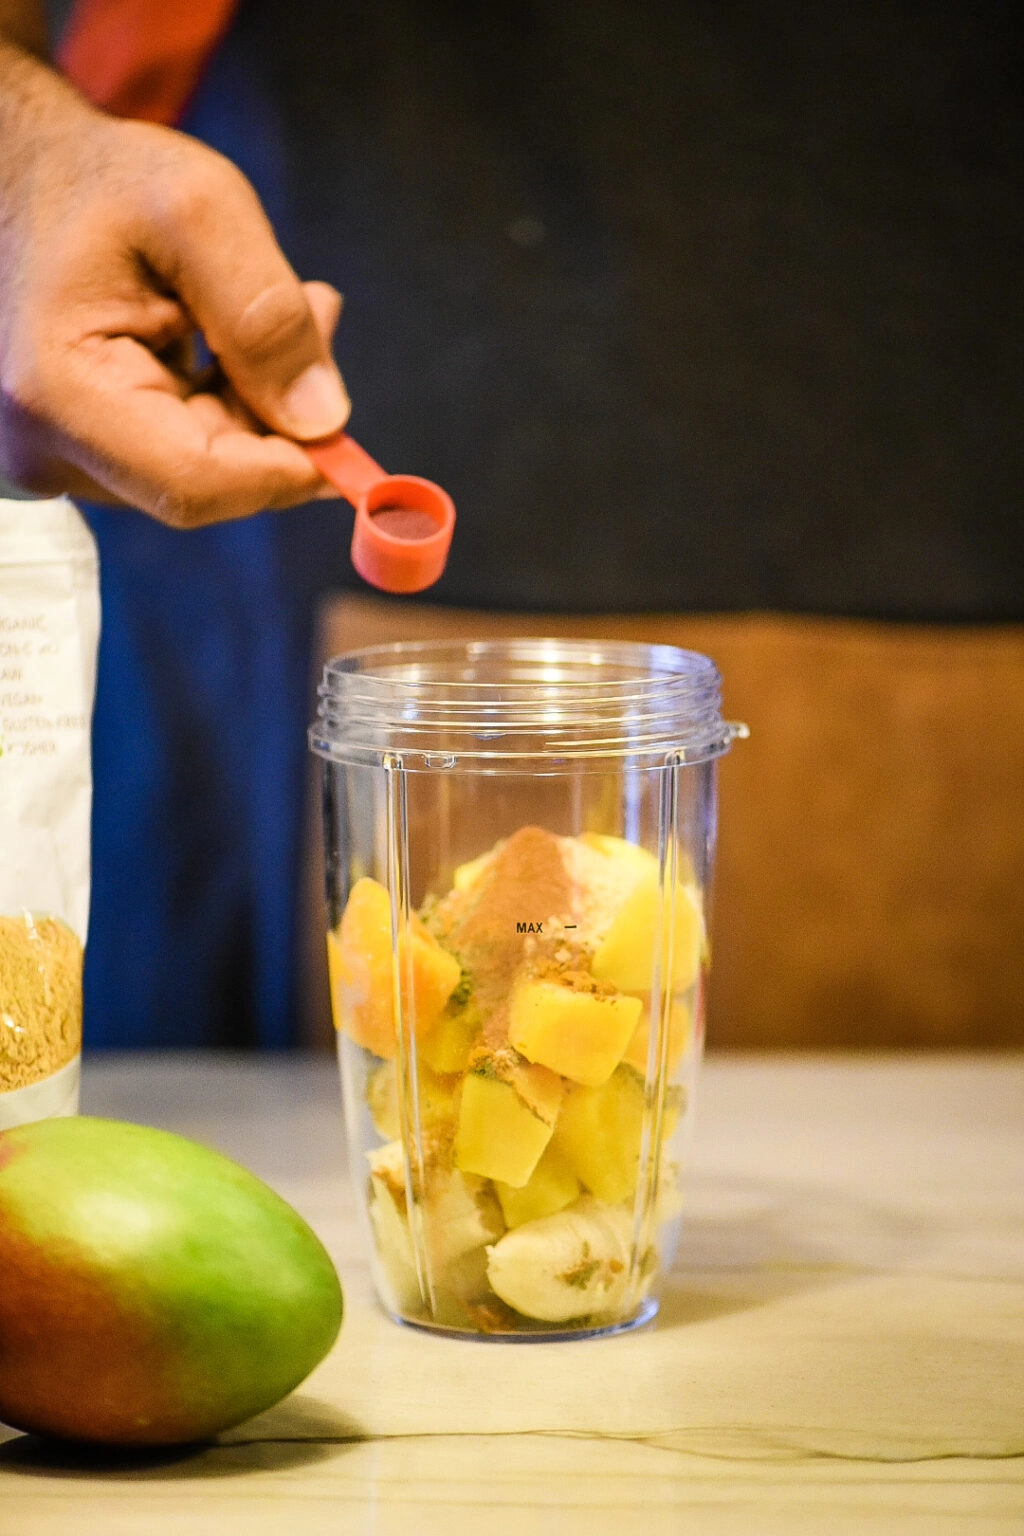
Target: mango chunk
(679, 1027)
(551, 1187)
(598, 1134)
(507, 1112)
(360, 967)
(625, 955)
(572, 1025)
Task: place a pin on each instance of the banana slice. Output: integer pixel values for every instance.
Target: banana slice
(460, 1215)
(572, 1264)
(390, 1227)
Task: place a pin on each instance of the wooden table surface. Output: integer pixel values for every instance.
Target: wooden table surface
(841, 1348)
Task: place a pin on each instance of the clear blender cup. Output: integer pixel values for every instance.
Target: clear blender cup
(519, 846)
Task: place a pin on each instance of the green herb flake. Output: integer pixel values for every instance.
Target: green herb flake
(581, 1274)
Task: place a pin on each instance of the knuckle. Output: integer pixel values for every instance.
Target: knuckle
(186, 506)
(191, 197)
(276, 324)
(181, 504)
(174, 508)
(196, 193)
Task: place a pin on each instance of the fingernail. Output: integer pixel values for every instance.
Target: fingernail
(316, 404)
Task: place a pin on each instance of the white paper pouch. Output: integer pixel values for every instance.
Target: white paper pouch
(49, 630)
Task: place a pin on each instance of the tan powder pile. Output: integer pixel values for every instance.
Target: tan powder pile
(523, 886)
(40, 998)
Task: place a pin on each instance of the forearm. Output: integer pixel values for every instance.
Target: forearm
(40, 116)
(36, 103)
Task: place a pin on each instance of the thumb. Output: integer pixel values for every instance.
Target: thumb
(216, 246)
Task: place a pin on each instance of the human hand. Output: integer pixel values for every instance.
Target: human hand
(119, 241)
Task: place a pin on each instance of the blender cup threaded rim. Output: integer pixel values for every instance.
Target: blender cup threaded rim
(497, 702)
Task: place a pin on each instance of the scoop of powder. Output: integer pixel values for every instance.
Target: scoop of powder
(404, 522)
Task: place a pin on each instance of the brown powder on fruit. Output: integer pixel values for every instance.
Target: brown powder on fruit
(567, 968)
(526, 883)
(40, 999)
(493, 1056)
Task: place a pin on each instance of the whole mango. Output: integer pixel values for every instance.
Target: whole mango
(152, 1292)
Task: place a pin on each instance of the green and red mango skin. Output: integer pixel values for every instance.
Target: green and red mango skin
(151, 1291)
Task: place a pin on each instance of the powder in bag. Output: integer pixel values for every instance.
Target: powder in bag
(49, 628)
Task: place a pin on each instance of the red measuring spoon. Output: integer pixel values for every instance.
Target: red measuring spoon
(403, 527)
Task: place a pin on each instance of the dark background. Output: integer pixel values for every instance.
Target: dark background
(691, 306)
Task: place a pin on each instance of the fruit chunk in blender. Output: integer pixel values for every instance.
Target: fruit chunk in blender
(598, 1134)
(507, 1110)
(680, 1024)
(626, 954)
(360, 967)
(461, 1214)
(562, 1267)
(551, 1187)
(539, 1110)
(571, 1023)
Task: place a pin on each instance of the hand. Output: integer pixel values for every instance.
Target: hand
(119, 241)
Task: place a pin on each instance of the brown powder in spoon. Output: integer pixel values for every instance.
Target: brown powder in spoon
(404, 522)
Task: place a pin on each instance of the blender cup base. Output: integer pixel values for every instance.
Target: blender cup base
(538, 1333)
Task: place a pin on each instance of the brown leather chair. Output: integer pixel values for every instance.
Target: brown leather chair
(870, 889)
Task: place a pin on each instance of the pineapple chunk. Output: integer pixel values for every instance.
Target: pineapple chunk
(572, 1025)
(360, 965)
(625, 956)
(635, 862)
(679, 1025)
(598, 1134)
(507, 1111)
(604, 871)
(551, 1187)
(446, 1048)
